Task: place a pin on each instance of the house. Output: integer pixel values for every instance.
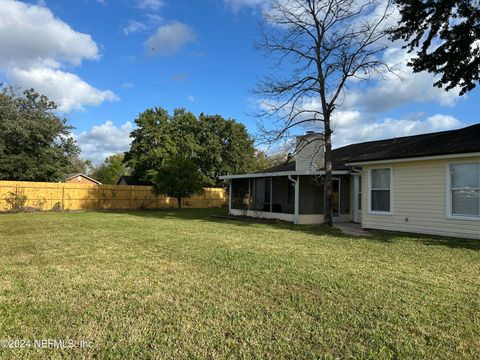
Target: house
(81, 179)
(132, 180)
(427, 183)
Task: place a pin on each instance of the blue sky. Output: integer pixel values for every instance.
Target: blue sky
(105, 61)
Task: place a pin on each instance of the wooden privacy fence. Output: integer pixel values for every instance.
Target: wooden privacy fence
(65, 196)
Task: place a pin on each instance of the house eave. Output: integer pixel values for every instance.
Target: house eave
(409, 159)
(282, 173)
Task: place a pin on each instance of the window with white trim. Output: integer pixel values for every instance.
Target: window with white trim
(465, 189)
(380, 190)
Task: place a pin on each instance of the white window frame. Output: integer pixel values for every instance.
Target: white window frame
(369, 195)
(448, 192)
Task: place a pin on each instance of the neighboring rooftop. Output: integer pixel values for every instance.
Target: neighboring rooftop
(73, 176)
(132, 180)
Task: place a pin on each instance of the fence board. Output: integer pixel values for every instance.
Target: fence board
(66, 196)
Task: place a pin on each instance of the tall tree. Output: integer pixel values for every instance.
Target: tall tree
(110, 170)
(226, 148)
(179, 177)
(319, 46)
(215, 145)
(445, 36)
(81, 166)
(152, 143)
(35, 144)
(264, 161)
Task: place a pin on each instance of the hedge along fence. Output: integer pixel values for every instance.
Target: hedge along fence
(66, 196)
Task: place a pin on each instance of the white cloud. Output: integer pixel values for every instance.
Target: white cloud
(150, 4)
(30, 33)
(69, 91)
(191, 98)
(170, 38)
(134, 26)
(237, 4)
(104, 140)
(360, 131)
(128, 85)
(149, 22)
(35, 46)
(399, 88)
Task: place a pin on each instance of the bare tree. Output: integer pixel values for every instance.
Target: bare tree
(319, 45)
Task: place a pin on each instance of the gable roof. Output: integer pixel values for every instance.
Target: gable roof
(84, 176)
(132, 180)
(461, 141)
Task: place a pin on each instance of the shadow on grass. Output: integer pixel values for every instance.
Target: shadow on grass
(207, 215)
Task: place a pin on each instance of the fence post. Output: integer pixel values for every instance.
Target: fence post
(63, 198)
(131, 198)
(98, 197)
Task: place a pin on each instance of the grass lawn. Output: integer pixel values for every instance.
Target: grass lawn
(180, 284)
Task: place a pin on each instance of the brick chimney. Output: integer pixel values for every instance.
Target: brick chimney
(309, 152)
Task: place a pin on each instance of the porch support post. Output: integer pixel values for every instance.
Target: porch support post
(230, 197)
(297, 199)
(249, 194)
(271, 194)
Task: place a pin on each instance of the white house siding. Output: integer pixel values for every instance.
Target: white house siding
(419, 194)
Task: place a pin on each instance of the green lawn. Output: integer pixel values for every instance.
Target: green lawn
(180, 284)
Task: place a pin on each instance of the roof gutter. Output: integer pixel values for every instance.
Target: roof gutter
(282, 173)
(420, 158)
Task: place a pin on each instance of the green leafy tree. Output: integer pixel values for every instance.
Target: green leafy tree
(445, 35)
(179, 177)
(215, 145)
(110, 170)
(264, 161)
(226, 148)
(81, 166)
(152, 143)
(35, 144)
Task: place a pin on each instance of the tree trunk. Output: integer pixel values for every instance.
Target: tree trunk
(179, 202)
(328, 184)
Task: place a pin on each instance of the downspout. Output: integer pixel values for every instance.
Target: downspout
(297, 196)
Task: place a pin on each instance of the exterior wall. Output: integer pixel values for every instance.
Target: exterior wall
(419, 201)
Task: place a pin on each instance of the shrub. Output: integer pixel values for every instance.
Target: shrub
(16, 201)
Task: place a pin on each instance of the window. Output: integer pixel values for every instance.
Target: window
(465, 190)
(380, 190)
